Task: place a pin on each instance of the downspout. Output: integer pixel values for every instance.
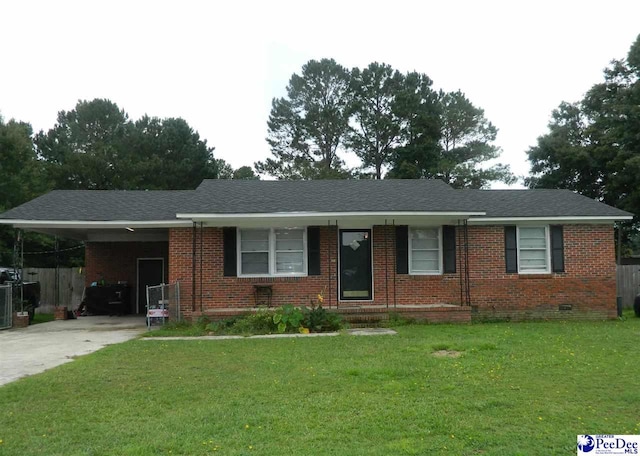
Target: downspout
(466, 263)
(329, 261)
(201, 255)
(459, 248)
(22, 271)
(386, 261)
(395, 263)
(337, 261)
(57, 274)
(193, 269)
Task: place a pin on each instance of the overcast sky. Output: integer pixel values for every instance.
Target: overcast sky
(218, 65)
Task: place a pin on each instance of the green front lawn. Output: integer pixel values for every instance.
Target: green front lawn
(525, 389)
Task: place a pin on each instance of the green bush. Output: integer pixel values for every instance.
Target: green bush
(222, 326)
(288, 318)
(260, 322)
(202, 321)
(317, 319)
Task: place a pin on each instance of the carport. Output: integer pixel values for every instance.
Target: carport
(125, 233)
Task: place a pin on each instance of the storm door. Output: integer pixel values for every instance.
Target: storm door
(355, 265)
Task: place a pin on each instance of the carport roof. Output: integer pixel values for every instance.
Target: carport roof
(102, 205)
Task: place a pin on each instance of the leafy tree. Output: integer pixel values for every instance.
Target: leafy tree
(21, 176)
(96, 146)
(166, 154)
(378, 127)
(245, 173)
(20, 170)
(417, 104)
(308, 126)
(593, 147)
(84, 147)
(457, 152)
(466, 144)
(225, 171)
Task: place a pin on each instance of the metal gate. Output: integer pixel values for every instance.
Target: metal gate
(163, 303)
(5, 306)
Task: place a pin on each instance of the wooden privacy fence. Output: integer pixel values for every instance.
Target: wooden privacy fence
(628, 276)
(70, 286)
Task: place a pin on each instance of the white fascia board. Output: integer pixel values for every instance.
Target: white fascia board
(95, 224)
(557, 219)
(325, 215)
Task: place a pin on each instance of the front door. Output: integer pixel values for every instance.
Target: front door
(150, 272)
(355, 265)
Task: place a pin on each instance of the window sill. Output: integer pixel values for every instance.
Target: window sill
(541, 275)
(272, 278)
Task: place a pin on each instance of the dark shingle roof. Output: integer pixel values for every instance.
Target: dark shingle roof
(244, 197)
(252, 196)
(101, 205)
(539, 203)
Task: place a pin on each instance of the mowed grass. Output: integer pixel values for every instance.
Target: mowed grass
(516, 389)
(41, 318)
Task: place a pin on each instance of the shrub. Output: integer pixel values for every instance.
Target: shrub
(260, 322)
(317, 319)
(288, 318)
(222, 326)
(202, 321)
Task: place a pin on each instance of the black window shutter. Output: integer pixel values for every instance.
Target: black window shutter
(449, 249)
(313, 250)
(229, 246)
(402, 249)
(557, 248)
(510, 249)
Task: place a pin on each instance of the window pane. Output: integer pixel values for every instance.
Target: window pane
(424, 265)
(531, 265)
(536, 232)
(533, 249)
(289, 244)
(531, 243)
(425, 233)
(289, 262)
(255, 263)
(254, 240)
(425, 244)
(425, 250)
(419, 255)
(289, 234)
(533, 255)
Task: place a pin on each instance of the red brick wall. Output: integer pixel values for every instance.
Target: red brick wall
(214, 291)
(588, 285)
(117, 261)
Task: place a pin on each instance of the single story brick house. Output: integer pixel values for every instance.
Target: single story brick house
(417, 247)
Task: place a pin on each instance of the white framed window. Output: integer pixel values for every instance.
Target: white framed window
(533, 250)
(425, 250)
(272, 252)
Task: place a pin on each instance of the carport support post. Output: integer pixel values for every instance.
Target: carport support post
(21, 238)
(57, 284)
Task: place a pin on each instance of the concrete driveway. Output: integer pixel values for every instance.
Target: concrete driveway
(40, 347)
